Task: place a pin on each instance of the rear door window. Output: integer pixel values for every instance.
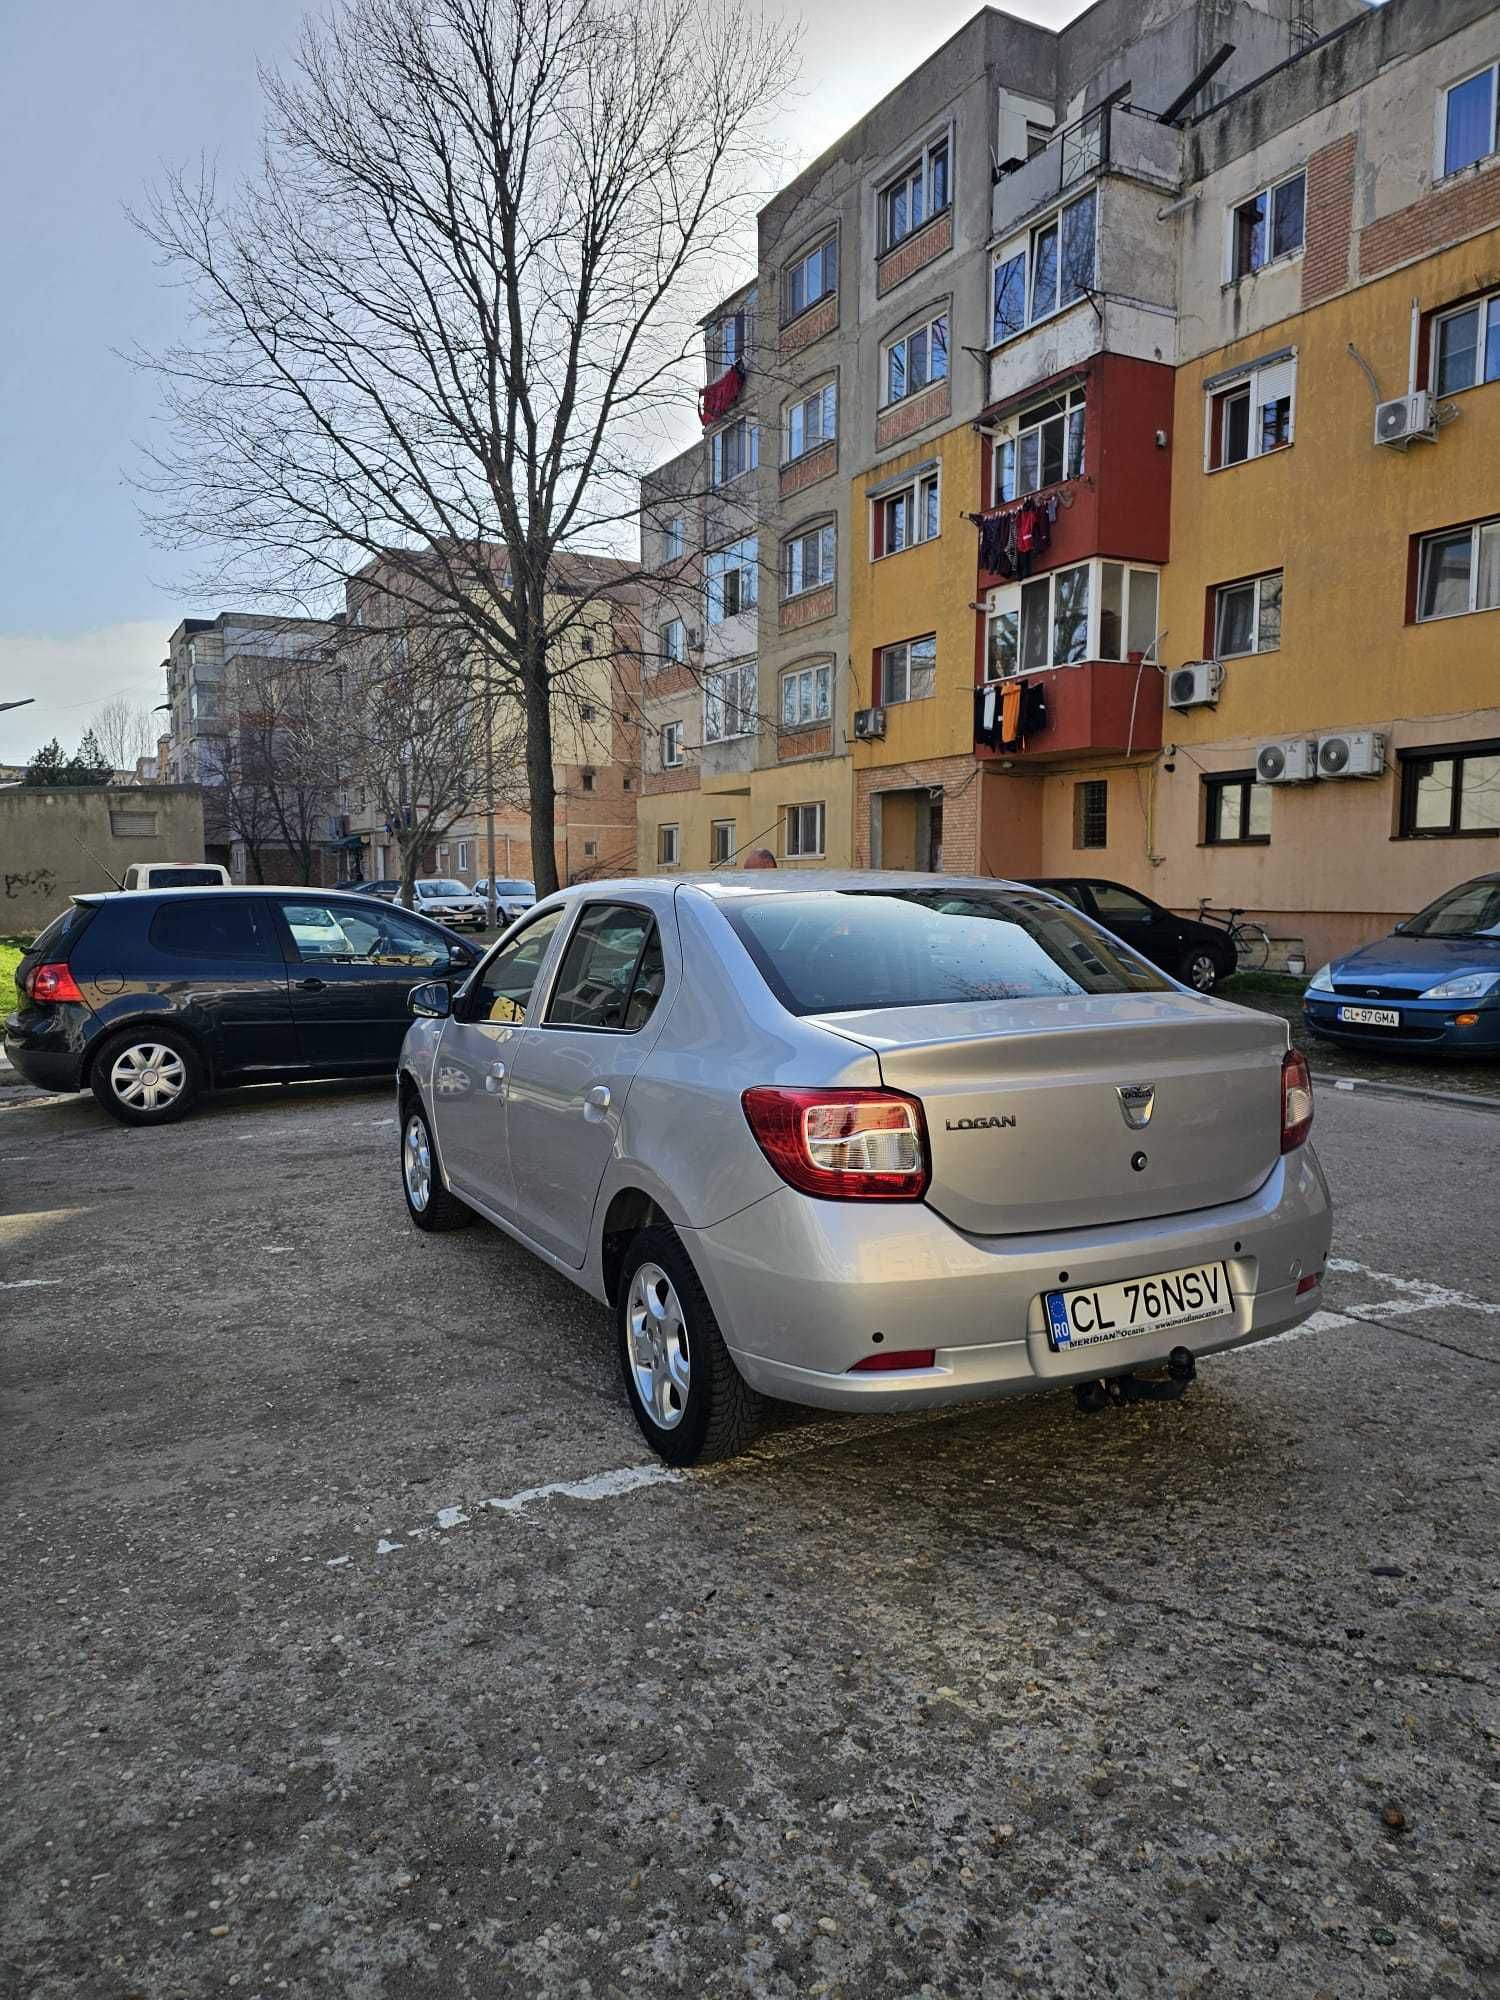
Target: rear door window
(363, 932)
(213, 927)
(611, 974)
(846, 949)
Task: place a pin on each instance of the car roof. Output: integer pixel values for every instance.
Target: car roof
(186, 891)
(724, 882)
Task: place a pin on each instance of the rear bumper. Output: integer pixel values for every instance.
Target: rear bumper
(801, 1288)
(48, 1069)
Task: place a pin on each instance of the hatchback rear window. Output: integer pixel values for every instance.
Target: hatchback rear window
(62, 932)
(185, 878)
(841, 949)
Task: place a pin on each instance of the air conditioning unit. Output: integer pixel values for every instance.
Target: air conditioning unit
(1405, 418)
(1359, 753)
(1195, 685)
(869, 723)
(1292, 762)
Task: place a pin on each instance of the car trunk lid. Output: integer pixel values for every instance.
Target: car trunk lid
(1026, 1122)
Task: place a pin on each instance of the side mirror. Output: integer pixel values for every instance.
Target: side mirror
(462, 956)
(430, 1002)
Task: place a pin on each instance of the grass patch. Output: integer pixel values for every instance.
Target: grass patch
(1265, 982)
(10, 958)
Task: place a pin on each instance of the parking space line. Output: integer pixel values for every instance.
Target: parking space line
(1410, 1294)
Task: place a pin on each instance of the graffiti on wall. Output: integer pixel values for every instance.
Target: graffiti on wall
(32, 882)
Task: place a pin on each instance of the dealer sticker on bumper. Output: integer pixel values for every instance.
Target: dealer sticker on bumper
(1137, 1305)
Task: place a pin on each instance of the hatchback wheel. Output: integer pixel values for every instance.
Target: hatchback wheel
(147, 1076)
(690, 1400)
(428, 1201)
(1200, 971)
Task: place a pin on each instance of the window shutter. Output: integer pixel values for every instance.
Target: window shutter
(1271, 384)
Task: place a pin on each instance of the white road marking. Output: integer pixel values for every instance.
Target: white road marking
(385, 1548)
(1410, 1294)
(601, 1486)
(452, 1517)
(1318, 1322)
(26, 1284)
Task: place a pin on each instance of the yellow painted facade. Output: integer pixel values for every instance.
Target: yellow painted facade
(816, 779)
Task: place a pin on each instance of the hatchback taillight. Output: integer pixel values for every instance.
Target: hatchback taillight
(48, 983)
(1296, 1100)
(842, 1145)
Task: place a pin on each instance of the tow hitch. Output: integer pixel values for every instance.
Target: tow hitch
(1181, 1370)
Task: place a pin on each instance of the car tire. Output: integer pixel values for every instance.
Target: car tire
(147, 1076)
(1200, 969)
(691, 1402)
(429, 1201)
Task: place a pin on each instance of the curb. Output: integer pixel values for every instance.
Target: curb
(1377, 1087)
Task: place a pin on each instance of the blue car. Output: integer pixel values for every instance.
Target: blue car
(1433, 985)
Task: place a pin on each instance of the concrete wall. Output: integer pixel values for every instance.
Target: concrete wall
(43, 835)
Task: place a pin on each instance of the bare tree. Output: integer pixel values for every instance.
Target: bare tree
(456, 314)
(123, 731)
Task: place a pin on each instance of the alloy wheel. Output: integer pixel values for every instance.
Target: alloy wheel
(416, 1164)
(148, 1076)
(1202, 972)
(659, 1358)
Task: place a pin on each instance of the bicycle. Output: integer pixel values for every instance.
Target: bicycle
(1252, 944)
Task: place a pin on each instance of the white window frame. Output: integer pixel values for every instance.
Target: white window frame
(671, 746)
(900, 655)
(1267, 194)
(715, 828)
(917, 173)
(915, 496)
(729, 695)
(463, 856)
(1440, 169)
(740, 559)
(674, 539)
(795, 578)
(903, 340)
(731, 337)
(819, 254)
(1487, 308)
(1479, 532)
(1025, 248)
(1253, 584)
(814, 418)
(1005, 600)
(811, 692)
(1253, 380)
(747, 431)
(671, 651)
(797, 830)
(668, 835)
(1010, 449)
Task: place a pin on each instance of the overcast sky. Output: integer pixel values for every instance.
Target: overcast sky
(95, 97)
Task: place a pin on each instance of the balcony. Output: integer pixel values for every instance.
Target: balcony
(1112, 138)
(1101, 708)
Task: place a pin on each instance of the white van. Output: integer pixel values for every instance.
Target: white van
(176, 875)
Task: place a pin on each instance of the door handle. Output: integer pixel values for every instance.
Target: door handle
(597, 1099)
(494, 1082)
(497, 1068)
(311, 985)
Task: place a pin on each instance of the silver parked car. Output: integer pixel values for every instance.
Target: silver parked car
(866, 1141)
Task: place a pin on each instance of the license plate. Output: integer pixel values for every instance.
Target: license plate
(1372, 1017)
(1137, 1305)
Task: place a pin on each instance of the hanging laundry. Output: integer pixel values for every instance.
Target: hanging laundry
(1033, 708)
(1010, 715)
(1042, 537)
(1051, 510)
(722, 394)
(987, 716)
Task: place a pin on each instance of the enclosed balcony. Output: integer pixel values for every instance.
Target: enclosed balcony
(1098, 707)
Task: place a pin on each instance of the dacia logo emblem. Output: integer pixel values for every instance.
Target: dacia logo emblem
(1137, 1102)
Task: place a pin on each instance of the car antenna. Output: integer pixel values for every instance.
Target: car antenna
(98, 863)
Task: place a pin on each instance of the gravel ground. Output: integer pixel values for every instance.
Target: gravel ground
(1193, 1699)
(1471, 1079)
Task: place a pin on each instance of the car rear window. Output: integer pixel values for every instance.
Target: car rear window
(212, 927)
(62, 933)
(184, 878)
(836, 950)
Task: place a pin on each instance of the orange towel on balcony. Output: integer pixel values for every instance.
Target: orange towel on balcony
(1010, 714)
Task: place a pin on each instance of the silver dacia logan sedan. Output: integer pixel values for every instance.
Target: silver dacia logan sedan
(866, 1141)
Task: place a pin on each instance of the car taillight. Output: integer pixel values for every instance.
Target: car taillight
(901, 1358)
(1296, 1100)
(842, 1145)
(47, 983)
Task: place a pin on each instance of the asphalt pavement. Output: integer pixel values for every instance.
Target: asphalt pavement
(356, 1647)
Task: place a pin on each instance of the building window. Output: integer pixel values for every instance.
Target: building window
(463, 856)
(812, 277)
(1467, 346)
(805, 696)
(807, 560)
(916, 196)
(1236, 810)
(1451, 790)
(729, 703)
(1091, 611)
(1040, 274)
(666, 846)
(590, 849)
(720, 842)
(733, 450)
(917, 358)
(671, 643)
(1470, 131)
(1459, 571)
(901, 519)
(729, 337)
(1253, 415)
(907, 671)
(674, 541)
(1247, 616)
(1091, 813)
(1045, 448)
(588, 781)
(731, 579)
(1127, 612)
(671, 745)
(810, 422)
(1267, 226)
(804, 831)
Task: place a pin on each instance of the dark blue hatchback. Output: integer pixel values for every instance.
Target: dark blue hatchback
(1433, 984)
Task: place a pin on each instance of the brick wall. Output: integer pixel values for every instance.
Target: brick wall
(1464, 206)
(810, 326)
(1330, 220)
(807, 470)
(914, 414)
(682, 780)
(676, 679)
(806, 609)
(915, 253)
(960, 783)
(816, 740)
